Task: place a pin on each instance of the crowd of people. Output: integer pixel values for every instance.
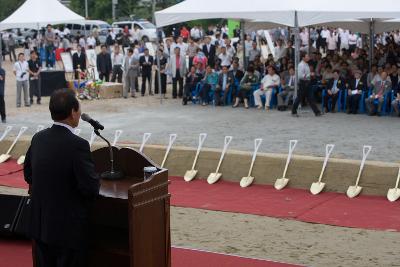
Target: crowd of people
(207, 67)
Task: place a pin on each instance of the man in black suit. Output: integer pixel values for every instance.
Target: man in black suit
(79, 61)
(209, 51)
(104, 64)
(2, 104)
(333, 88)
(146, 62)
(62, 184)
(225, 81)
(354, 93)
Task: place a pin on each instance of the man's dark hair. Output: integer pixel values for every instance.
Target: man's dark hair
(33, 52)
(103, 46)
(130, 50)
(21, 54)
(62, 102)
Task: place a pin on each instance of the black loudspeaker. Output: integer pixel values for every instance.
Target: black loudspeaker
(10, 207)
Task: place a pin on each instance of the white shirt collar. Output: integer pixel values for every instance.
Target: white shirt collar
(64, 125)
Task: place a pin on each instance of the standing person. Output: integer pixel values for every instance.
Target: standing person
(79, 61)
(305, 90)
(2, 87)
(163, 75)
(34, 73)
(146, 62)
(131, 68)
(63, 185)
(178, 70)
(117, 60)
(21, 71)
(49, 38)
(104, 65)
(209, 51)
(11, 47)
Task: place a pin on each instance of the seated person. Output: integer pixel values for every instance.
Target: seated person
(248, 81)
(356, 87)
(268, 83)
(380, 88)
(192, 78)
(333, 88)
(237, 75)
(396, 100)
(209, 82)
(287, 93)
(225, 81)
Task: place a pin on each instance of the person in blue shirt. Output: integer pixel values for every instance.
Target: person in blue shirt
(2, 87)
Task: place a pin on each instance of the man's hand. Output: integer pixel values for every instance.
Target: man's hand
(349, 92)
(329, 92)
(1, 78)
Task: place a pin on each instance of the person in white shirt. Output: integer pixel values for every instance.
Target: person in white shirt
(248, 45)
(268, 83)
(332, 42)
(117, 60)
(67, 32)
(182, 46)
(21, 71)
(352, 42)
(344, 40)
(195, 33)
(304, 37)
(226, 59)
(324, 35)
(82, 41)
(229, 48)
(91, 42)
(280, 49)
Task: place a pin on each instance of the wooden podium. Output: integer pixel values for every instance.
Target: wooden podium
(130, 221)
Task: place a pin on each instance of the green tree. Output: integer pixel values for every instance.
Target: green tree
(7, 7)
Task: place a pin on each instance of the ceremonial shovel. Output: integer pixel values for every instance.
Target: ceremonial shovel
(146, 137)
(8, 129)
(117, 136)
(214, 177)
(317, 187)
(21, 159)
(282, 182)
(92, 138)
(190, 175)
(355, 190)
(5, 157)
(77, 131)
(172, 138)
(248, 180)
(394, 193)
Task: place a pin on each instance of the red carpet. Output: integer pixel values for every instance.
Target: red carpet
(10, 166)
(14, 253)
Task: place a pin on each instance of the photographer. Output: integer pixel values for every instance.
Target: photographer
(21, 71)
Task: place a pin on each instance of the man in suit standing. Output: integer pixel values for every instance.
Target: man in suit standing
(79, 61)
(104, 64)
(380, 88)
(225, 81)
(357, 86)
(2, 86)
(131, 68)
(62, 184)
(146, 63)
(209, 51)
(178, 70)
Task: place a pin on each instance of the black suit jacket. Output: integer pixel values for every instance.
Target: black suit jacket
(63, 184)
(104, 64)
(79, 60)
(146, 68)
(362, 85)
(210, 54)
(2, 82)
(340, 85)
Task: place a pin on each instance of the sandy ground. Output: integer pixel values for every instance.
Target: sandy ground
(279, 240)
(147, 114)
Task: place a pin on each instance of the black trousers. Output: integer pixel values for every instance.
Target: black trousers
(117, 74)
(175, 81)
(54, 256)
(221, 96)
(163, 77)
(104, 76)
(305, 92)
(146, 76)
(2, 108)
(34, 89)
(353, 102)
(204, 93)
(334, 98)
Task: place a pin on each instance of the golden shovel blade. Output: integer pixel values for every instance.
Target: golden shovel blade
(190, 175)
(213, 177)
(281, 183)
(353, 191)
(246, 181)
(4, 158)
(393, 194)
(317, 188)
(21, 160)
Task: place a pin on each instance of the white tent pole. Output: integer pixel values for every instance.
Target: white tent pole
(296, 52)
(1, 49)
(243, 44)
(371, 42)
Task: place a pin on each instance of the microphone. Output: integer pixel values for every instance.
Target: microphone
(96, 125)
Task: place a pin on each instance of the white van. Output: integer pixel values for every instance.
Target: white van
(148, 31)
(87, 28)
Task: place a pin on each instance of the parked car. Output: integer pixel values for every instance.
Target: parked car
(87, 28)
(148, 31)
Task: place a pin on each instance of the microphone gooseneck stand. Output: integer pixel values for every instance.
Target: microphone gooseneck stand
(112, 174)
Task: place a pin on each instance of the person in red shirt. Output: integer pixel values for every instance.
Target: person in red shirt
(185, 33)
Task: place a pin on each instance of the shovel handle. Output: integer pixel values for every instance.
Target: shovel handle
(77, 131)
(257, 144)
(227, 141)
(172, 138)
(202, 138)
(328, 152)
(292, 146)
(92, 138)
(117, 136)
(398, 179)
(41, 127)
(21, 132)
(366, 151)
(146, 137)
(6, 132)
